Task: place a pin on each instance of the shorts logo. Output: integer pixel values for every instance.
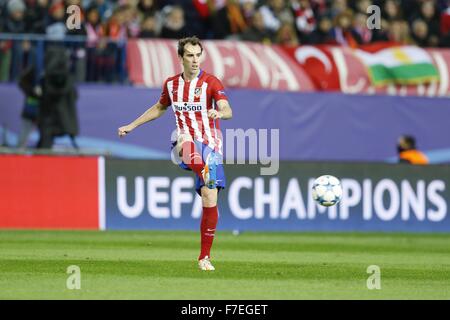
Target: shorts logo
(197, 92)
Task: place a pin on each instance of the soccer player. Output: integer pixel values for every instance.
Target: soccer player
(198, 101)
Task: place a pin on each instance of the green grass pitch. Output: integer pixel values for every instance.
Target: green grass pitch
(162, 265)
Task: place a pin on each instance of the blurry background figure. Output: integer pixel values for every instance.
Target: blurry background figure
(336, 7)
(228, 21)
(148, 27)
(360, 26)
(420, 33)
(322, 34)
(381, 34)
(399, 32)
(275, 13)
(248, 9)
(37, 15)
(305, 21)
(286, 36)
(107, 54)
(56, 29)
(12, 52)
(407, 152)
(429, 14)
(57, 111)
(93, 34)
(343, 32)
(32, 93)
(174, 25)
(257, 31)
(391, 10)
(105, 7)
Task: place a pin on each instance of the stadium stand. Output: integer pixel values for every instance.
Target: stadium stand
(98, 44)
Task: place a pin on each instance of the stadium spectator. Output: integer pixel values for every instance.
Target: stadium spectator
(175, 25)
(305, 20)
(429, 14)
(360, 6)
(275, 13)
(248, 8)
(56, 29)
(257, 31)
(32, 93)
(444, 40)
(391, 10)
(323, 32)
(286, 36)
(148, 28)
(198, 25)
(228, 21)
(37, 16)
(343, 32)
(337, 7)
(399, 32)
(131, 20)
(93, 34)
(15, 18)
(57, 111)
(420, 34)
(408, 152)
(360, 27)
(319, 7)
(147, 8)
(113, 32)
(105, 7)
(445, 22)
(381, 34)
(12, 52)
(150, 8)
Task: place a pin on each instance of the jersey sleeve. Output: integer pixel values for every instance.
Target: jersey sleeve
(218, 91)
(165, 98)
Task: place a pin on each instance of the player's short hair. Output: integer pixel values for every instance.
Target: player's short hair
(192, 40)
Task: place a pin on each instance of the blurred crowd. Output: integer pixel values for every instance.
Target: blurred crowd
(425, 23)
(287, 22)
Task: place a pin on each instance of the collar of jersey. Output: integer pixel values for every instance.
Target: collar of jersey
(199, 74)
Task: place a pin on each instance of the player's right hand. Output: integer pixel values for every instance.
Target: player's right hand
(123, 131)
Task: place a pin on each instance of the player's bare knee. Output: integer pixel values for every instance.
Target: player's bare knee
(209, 197)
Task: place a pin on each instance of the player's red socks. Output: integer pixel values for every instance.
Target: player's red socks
(192, 158)
(207, 230)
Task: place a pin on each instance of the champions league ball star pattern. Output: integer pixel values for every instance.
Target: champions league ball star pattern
(327, 190)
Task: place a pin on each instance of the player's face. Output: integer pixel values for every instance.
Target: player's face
(191, 58)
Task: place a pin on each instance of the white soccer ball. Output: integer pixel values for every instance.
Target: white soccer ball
(327, 190)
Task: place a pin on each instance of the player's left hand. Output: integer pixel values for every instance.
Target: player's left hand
(214, 114)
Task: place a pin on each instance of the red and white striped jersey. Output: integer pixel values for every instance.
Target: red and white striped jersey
(190, 101)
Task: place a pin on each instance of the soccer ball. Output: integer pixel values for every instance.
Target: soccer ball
(327, 190)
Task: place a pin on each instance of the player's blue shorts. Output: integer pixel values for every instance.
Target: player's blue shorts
(205, 150)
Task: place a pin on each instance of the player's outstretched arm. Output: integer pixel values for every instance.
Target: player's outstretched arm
(152, 113)
(223, 111)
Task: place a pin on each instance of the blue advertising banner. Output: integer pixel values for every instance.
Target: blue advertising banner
(376, 197)
(312, 126)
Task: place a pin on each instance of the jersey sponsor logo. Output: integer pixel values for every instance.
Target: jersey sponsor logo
(197, 92)
(189, 106)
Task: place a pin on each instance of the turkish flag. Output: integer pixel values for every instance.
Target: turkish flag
(318, 63)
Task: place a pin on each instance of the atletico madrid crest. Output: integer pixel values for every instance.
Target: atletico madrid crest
(197, 92)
